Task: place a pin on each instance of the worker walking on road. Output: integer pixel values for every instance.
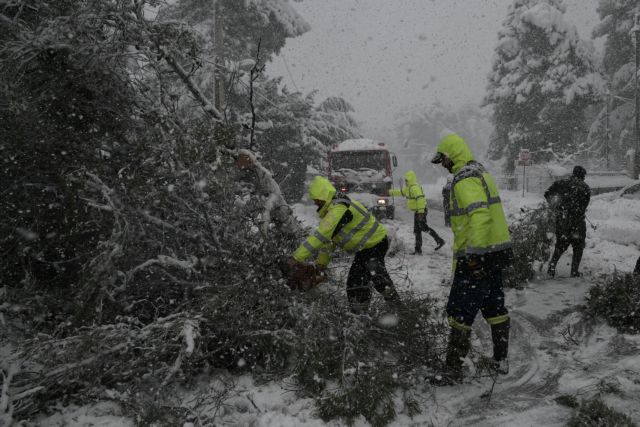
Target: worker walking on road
(417, 203)
(569, 199)
(482, 249)
(348, 224)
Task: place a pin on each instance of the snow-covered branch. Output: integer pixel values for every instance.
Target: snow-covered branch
(275, 206)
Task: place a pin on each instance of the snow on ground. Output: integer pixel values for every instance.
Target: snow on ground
(552, 352)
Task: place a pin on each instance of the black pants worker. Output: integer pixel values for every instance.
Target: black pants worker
(368, 266)
(420, 225)
(569, 234)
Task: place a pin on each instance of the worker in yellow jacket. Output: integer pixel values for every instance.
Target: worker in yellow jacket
(481, 249)
(417, 203)
(349, 225)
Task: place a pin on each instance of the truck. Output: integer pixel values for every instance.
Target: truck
(363, 169)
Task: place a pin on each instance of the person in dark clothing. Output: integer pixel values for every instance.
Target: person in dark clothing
(446, 196)
(569, 199)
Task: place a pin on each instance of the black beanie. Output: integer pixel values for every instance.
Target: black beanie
(579, 172)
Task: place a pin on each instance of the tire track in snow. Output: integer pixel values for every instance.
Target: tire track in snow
(534, 372)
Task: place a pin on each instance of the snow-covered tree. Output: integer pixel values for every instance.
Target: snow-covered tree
(332, 122)
(282, 140)
(617, 20)
(286, 129)
(245, 23)
(543, 78)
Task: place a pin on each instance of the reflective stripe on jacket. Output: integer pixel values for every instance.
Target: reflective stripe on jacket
(416, 201)
(362, 232)
(477, 219)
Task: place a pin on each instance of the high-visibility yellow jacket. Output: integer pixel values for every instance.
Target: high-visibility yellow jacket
(416, 201)
(353, 231)
(477, 218)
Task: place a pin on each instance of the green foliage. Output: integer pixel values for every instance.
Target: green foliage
(568, 401)
(595, 413)
(531, 234)
(369, 393)
(354, 365)
(66, 108)
(284, 146)
(616, 300)
(134, 246)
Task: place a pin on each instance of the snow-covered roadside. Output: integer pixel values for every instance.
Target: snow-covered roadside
(552, 352)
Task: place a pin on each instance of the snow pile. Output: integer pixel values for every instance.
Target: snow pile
(359, 144)
(362, 175)
(616, 220)
(608, 181)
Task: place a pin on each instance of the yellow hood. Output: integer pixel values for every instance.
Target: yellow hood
(454, 147)
(410, 177)
(321, 189)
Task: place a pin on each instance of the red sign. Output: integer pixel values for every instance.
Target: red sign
(524, 157)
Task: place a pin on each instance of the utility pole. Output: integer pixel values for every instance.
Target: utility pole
(636, 155)
(218, 50)
(607, 140)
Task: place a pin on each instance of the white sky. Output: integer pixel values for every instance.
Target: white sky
(385, 55)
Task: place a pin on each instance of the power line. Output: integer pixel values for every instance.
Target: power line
(289, 71)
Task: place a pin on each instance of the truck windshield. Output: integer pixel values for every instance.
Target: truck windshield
(357, 160)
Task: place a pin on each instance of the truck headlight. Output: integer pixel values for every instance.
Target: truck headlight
(382, 202)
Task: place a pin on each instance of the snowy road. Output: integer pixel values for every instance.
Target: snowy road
(552, 351)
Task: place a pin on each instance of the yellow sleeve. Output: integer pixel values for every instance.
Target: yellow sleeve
(321, 238)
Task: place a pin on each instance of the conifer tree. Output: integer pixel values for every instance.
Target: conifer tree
(616, 22)
(543, 79)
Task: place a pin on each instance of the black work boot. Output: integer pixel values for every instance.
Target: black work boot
(575, 262)
(439, 240)
(551, 271)
(457, 349)
(500, 338)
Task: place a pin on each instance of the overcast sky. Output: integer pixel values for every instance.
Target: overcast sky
(386, 55)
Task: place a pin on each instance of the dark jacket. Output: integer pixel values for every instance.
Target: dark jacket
(446, 198)
(569, 198)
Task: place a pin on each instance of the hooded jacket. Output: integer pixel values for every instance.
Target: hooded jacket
(412, 191)
(344, 222)
(570, 198)
(477, 218)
